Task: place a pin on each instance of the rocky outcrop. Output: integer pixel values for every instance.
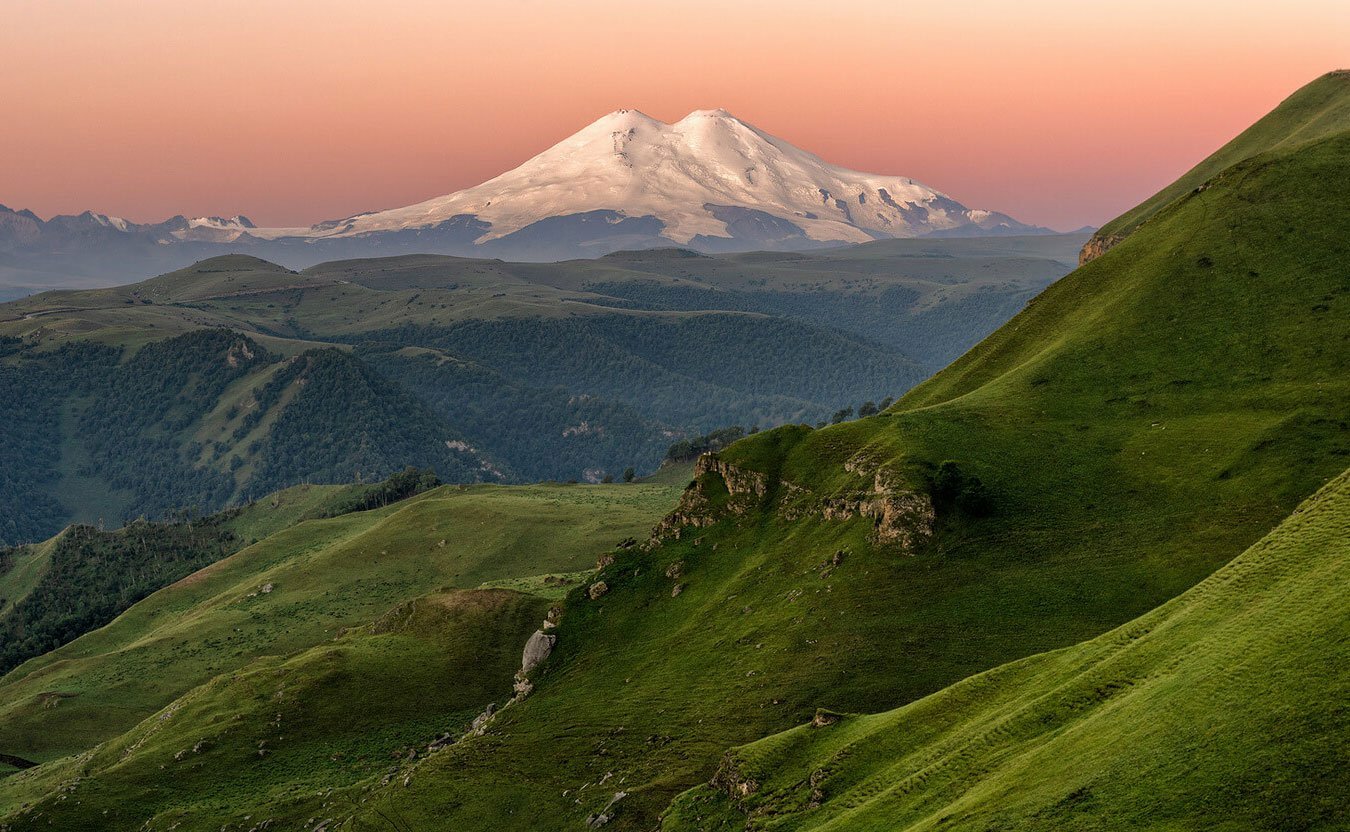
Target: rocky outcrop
(597, 589)
(703, 504)
(606, 814)
(730, 780)
(537, 648)
(1097, 246)
(901, 516)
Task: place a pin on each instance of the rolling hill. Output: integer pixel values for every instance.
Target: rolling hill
(311, 569)
(236, 377)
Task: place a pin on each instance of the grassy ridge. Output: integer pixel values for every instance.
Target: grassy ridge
(1222, 709)
(1315, 111)
(86, 576)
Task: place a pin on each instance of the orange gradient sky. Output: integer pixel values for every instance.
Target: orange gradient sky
(1061, 113)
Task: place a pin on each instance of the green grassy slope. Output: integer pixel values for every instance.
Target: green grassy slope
(281, 739)
(21, 568)
(85, 576)
(1222, 709)
(1147, 419)
(1314, 112)
(324, 575)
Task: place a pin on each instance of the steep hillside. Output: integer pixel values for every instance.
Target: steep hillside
(300, 728)
(201, 420)
(1316, 111)
(85, 576)
(1224, 708)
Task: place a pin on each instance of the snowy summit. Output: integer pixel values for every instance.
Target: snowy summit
(707, 181)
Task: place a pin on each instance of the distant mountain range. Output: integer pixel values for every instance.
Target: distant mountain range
(708, 182)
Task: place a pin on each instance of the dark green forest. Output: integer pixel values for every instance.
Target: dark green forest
(34, 391)
(211, 417)
(135, 424)
(348, 423)
(92, 575)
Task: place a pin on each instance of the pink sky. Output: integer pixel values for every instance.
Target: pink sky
(1057, 112)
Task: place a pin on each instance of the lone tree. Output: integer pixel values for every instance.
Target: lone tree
(629, 474)
(954, 488)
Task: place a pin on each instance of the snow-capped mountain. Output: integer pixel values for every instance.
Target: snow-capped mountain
(707, 181)
(628, 181)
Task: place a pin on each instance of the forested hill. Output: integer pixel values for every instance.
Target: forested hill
(236, 376)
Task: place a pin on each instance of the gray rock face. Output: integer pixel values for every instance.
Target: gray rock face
(536, 650)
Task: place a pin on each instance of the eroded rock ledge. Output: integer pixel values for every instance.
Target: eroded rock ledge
(719, 489)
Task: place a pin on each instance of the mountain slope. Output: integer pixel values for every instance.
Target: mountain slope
(85, 576)
(200, 420)
(422, 670)
(1142, 423)
(1315, 111)
(1221, 709)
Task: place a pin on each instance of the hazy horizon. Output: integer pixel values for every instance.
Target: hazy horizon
(1063, 117)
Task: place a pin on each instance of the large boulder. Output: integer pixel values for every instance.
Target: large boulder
(536, 650)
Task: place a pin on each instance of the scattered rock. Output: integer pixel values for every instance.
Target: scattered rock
(446, 739)
(675, 570)
(604, 560)
(676, 590)
(597, 589)
(480, 722)
(817, 793)
(824, 718)
(266, 588)
(606, 814)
